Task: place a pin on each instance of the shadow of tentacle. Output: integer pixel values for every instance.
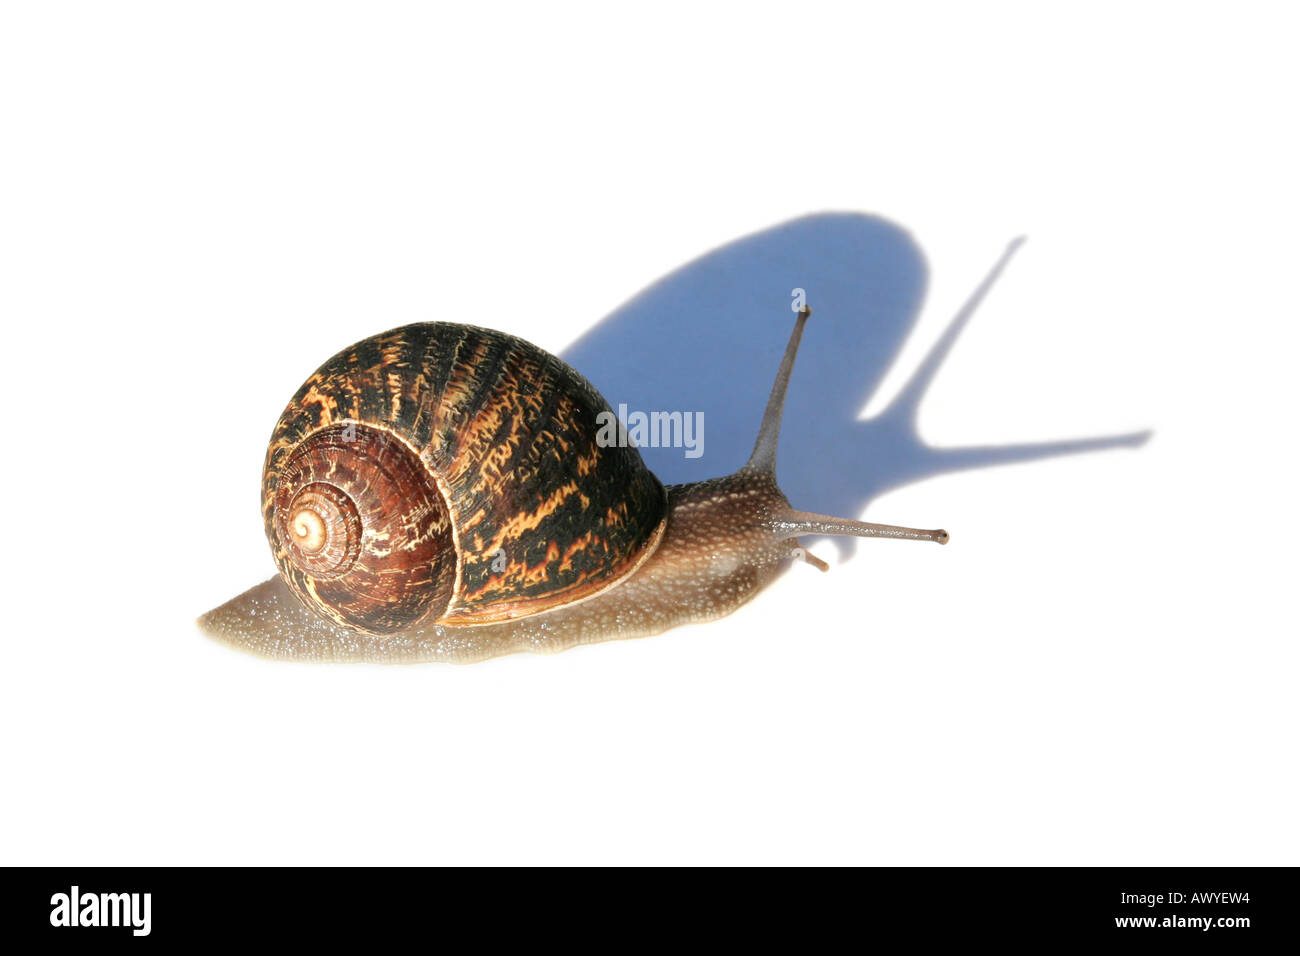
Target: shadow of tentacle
(708, 337)
(911, 459)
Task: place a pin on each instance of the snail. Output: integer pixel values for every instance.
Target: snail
(440, 492)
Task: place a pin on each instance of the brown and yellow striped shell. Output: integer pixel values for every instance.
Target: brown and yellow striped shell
(443, 472)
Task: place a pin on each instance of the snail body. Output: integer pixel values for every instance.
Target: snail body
(439, 492)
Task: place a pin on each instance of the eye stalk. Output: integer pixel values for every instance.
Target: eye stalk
(802, 522)
(762, 464)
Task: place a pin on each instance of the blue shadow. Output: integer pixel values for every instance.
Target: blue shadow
(708, 337)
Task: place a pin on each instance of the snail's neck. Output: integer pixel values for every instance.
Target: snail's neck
(725, 526)
(742, 503)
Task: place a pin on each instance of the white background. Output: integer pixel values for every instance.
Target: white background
(202, 202)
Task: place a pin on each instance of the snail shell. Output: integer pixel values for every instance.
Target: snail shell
(444, 472)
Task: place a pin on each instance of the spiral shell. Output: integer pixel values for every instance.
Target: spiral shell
(448, 472)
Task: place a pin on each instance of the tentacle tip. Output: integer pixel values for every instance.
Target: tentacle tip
(809, 558)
